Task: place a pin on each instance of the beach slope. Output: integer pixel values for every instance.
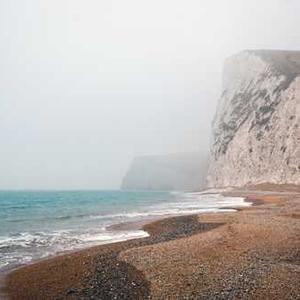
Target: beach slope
(253, 253)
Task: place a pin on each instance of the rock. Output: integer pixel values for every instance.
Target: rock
(256, 130)
(185, 171)
(72, 291)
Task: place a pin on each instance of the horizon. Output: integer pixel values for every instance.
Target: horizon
(88, 86)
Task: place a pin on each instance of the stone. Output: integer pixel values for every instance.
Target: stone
(256, 129)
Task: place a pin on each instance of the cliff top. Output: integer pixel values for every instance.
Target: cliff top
(284, 61)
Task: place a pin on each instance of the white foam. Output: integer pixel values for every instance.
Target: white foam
(114, 236)
(26, 246)
(189, 204)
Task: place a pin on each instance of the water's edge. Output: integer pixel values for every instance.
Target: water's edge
(126, 226)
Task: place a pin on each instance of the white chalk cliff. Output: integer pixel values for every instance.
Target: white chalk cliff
(256, 130)
(184, 171)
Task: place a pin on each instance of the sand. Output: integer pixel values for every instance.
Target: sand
(250, 254)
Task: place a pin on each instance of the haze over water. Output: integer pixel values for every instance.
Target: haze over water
(85, 86)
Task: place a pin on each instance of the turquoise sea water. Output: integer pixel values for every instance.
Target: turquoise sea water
(36, 224)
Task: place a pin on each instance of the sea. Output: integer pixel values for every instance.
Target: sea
(38, 224)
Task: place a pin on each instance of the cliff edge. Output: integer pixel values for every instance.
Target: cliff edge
(256, 133)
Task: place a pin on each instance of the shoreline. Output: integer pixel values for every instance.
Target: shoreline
(121, 226)
(153, 227)
(162, 230)
(143, 225)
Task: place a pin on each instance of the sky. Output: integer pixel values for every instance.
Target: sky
(86, 85)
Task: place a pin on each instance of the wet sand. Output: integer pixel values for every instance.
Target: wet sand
(253, 253)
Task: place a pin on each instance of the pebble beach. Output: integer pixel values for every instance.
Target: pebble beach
(249, 254)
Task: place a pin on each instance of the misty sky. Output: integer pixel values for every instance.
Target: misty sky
(85, 85)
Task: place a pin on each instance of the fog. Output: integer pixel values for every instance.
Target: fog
(87, 85)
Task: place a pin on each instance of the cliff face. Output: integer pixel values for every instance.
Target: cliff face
(167, 172)
(256, 130)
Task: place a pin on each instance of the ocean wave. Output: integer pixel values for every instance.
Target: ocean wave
(63, 238)
(27, 246)
(188, 205)
(89, 229)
